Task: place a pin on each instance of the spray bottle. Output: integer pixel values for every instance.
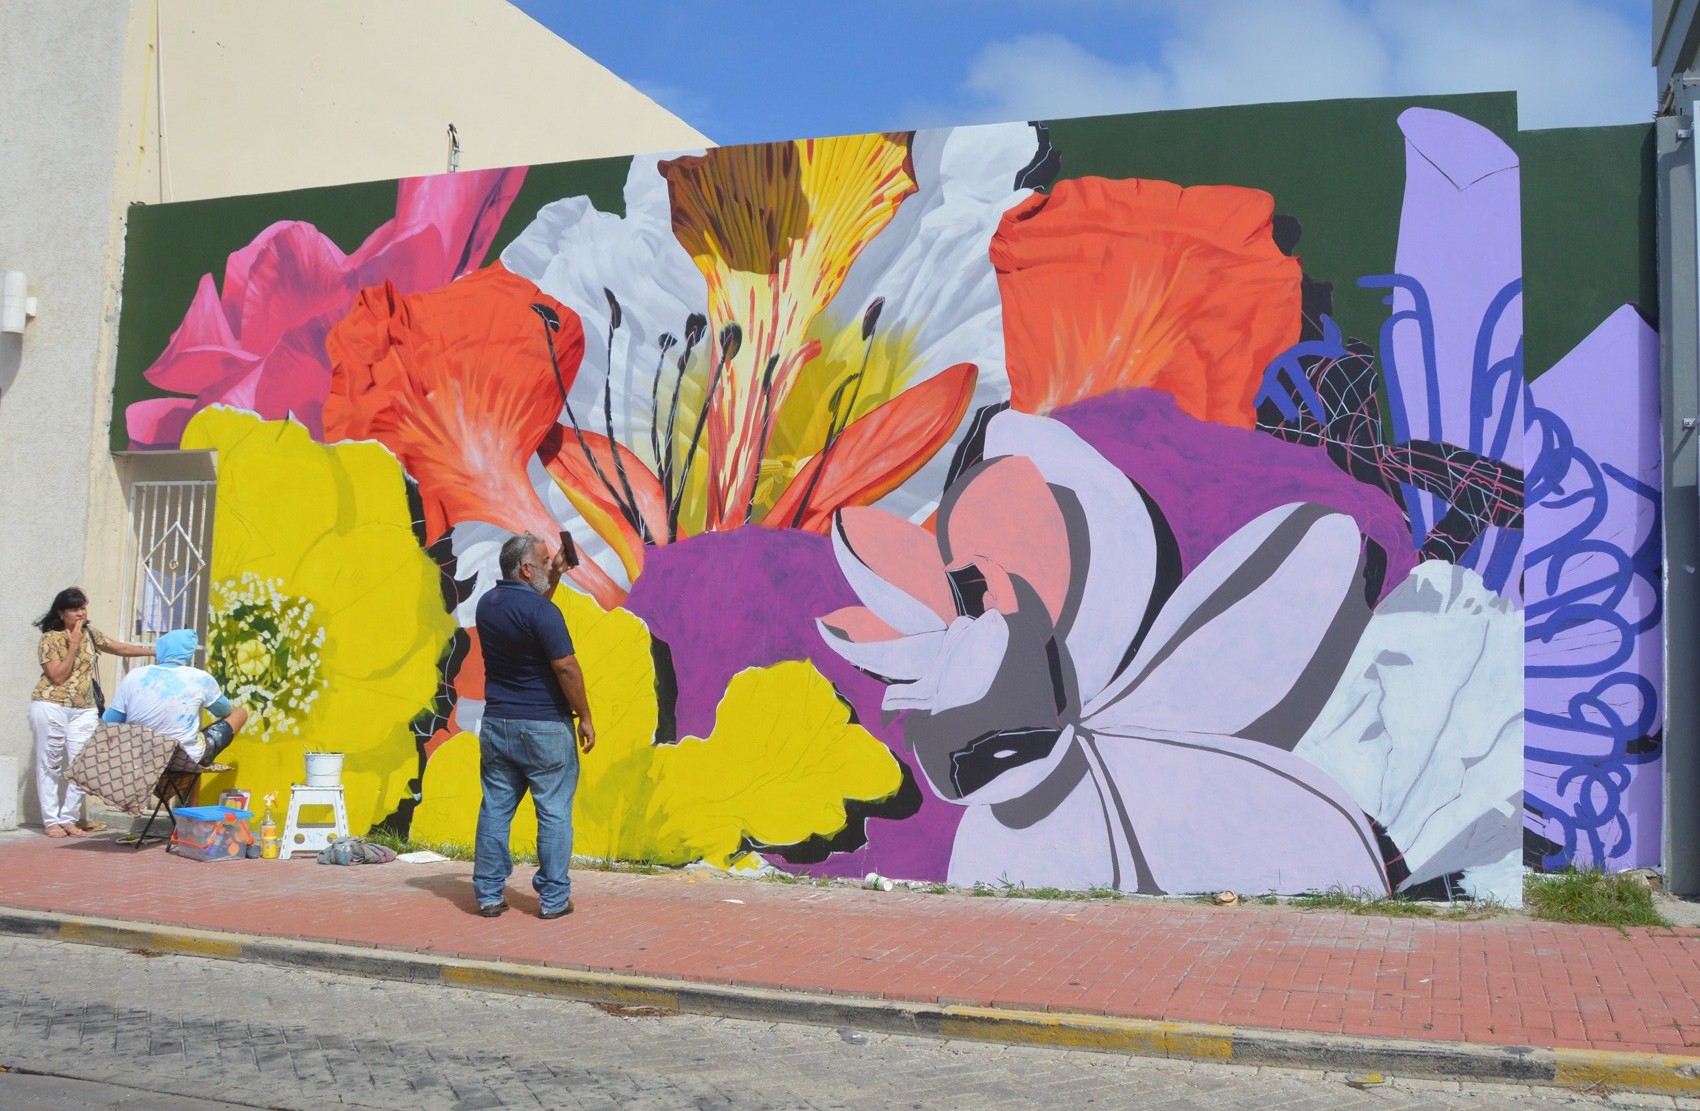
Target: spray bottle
(270, 840)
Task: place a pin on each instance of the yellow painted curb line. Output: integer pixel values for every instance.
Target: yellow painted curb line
(192, 943)
(1641, 1072)
(1146, 1037)
(544, 981)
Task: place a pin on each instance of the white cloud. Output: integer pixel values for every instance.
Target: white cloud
(1572, 62)
(1248, 52)
(1052, 77)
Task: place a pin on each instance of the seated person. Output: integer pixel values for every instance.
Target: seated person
(168, 698)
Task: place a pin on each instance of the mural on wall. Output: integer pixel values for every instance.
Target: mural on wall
(1595, 669)
(943, 514)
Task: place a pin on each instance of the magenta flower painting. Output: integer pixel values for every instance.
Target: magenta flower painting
(258, 342)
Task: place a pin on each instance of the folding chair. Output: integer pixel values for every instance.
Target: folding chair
(129, 764)
(178, 784)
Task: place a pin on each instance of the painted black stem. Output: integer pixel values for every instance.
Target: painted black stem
(550, 323)
(727, 350)
(766, 425)
(694, 327)
(628, 505)
(665, 342)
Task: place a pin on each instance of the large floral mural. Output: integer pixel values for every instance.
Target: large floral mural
(945, 513)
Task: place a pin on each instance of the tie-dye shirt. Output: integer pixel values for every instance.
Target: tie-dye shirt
(167, 698)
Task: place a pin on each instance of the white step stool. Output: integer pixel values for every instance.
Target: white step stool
(298, 838)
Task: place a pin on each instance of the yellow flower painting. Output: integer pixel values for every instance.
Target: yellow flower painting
(778, 768)
(327, 619)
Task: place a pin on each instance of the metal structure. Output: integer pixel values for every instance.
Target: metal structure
(168, 560)
(1676, 53)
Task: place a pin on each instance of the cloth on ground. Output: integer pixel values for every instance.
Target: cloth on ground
(355, 850)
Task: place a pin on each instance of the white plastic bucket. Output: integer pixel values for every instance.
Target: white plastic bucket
(324, 769)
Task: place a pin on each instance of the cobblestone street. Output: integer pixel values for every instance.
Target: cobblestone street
(142, 1026)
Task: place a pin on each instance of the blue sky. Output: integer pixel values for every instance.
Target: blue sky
(751, 70)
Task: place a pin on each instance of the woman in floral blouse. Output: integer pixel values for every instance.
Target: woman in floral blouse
(62, 710)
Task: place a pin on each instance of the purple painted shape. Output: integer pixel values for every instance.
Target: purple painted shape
(1210, 479)
(1460, 237)
(1592, 522)
(724, 602)
(728, 601)
(1458, 319)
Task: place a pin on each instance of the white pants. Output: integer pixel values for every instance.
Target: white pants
(60, 733)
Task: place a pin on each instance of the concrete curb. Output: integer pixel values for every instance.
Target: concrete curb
(1596, 1070)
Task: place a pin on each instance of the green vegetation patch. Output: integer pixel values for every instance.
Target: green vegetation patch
(1591, 897)
(1362, 902)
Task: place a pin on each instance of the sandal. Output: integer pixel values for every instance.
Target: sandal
(92, 827)
(73, 831)
(55, 831)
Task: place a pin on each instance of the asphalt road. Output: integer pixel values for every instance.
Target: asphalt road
(84, 1028)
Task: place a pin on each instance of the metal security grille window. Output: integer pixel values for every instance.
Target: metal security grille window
(170, 545)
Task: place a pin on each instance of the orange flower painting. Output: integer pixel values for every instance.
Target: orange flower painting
(463, 384)
(1114, 285)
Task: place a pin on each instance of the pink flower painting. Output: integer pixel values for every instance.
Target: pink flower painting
(258, 343)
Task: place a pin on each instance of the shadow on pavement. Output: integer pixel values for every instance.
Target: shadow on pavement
(456, 889)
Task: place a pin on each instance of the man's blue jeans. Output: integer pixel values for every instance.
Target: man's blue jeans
(516, 755)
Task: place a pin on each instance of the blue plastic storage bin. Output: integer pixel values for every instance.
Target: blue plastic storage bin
(211, 832)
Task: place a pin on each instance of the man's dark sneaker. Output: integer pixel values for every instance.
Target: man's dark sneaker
(551, 915)
(493, 910)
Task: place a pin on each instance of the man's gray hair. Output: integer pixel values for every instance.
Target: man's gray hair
(516, 550)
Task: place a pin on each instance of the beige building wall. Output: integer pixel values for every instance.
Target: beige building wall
(105, 103)
(232, 96)
(60, 77)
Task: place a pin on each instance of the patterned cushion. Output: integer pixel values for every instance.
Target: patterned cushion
(122, 764)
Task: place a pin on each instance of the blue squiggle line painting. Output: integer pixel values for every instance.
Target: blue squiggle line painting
(1594, 607)
(1492, 388)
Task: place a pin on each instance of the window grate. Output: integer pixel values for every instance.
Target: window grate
(170, 551)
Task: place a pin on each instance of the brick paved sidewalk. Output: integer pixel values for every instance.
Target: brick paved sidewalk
(1502, 981)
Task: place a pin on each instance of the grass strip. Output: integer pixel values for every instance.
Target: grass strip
(1588, 896)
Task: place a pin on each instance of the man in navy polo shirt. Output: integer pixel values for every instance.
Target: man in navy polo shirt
(533, 691)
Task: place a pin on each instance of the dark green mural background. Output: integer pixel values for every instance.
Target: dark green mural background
(1335, 166)
(1588, 235)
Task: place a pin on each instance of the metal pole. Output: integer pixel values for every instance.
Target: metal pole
(1679, 356)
